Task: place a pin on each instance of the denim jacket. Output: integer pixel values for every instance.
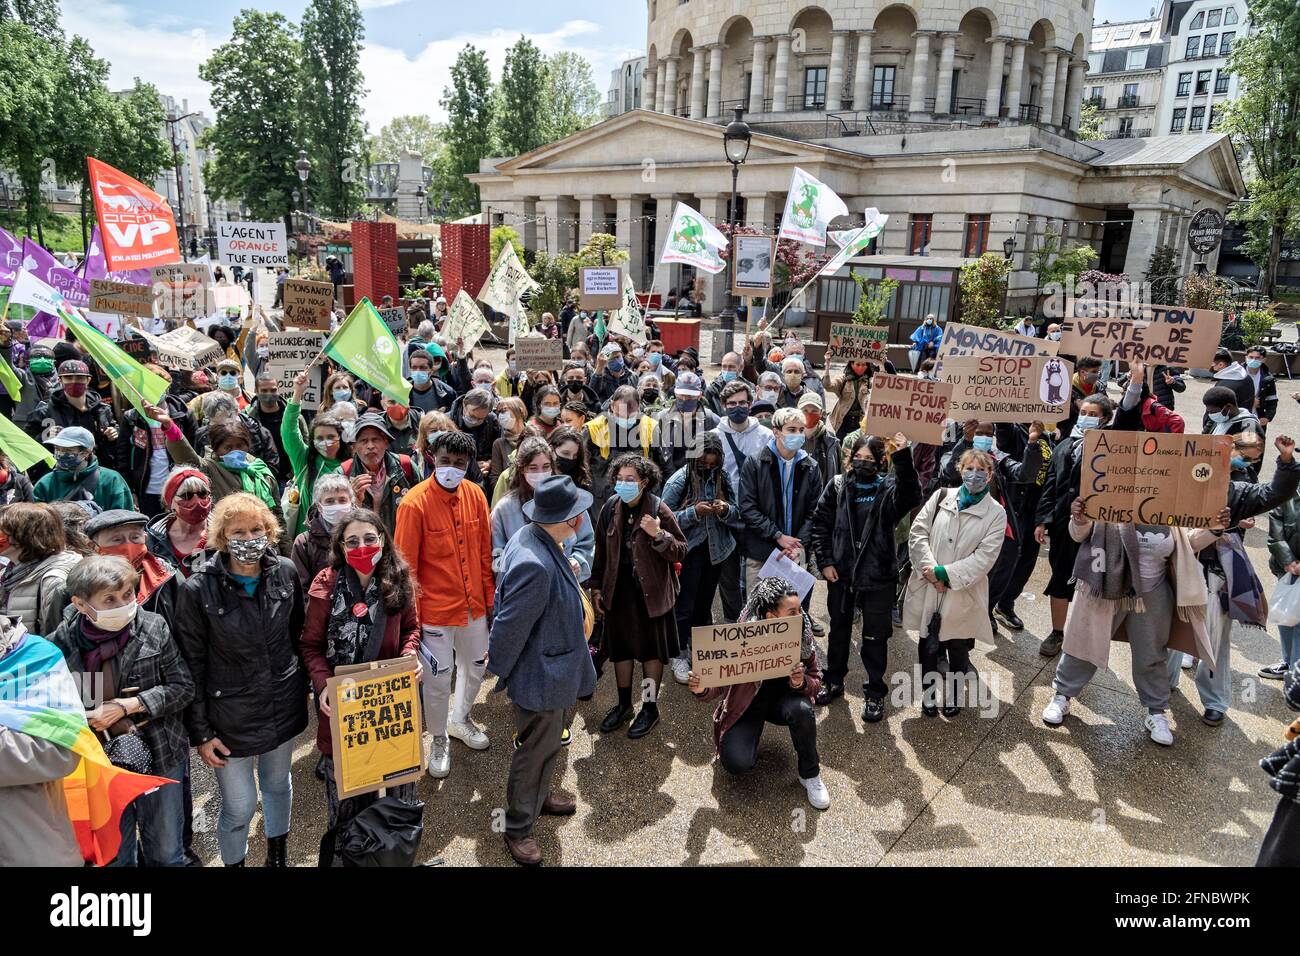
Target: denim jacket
(720, 533)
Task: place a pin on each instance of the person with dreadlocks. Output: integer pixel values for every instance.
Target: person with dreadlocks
(787, 701)
(853, 541)
(702, 497)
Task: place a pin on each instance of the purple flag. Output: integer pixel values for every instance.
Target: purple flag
(43, 265)
(11, 258)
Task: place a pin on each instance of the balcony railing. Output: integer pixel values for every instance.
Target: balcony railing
(1096, 101)
(1030, 112)
(889, 103)
(1127, 101)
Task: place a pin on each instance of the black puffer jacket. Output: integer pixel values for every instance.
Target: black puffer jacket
(61, 413)
(761, 504)
(871, 562)
(17, 488)
(250, 685)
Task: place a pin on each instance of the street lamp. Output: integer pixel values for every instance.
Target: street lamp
(303, 166)
(735, 142)
(420, 194)
(1008, 253)
(180, 186)
(297, 198)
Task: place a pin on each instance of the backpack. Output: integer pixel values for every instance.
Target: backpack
(407, 468)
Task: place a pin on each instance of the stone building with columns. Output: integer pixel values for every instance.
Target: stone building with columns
(955, 119)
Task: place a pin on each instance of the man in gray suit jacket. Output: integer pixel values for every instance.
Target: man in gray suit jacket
(539, 651)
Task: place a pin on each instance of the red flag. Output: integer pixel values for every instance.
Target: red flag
(135, 223)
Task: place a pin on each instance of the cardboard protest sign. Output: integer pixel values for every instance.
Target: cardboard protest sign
(536, 354)
(308, 304)
(465, 322)
(917, 407)
(992, 388)
(136, 347)
(600, 287)
(1155, 478)
(184, 349)
(1157, 334)
(375, 726)
(288, 354)
(124, 298)
(252, 244)
(182, 290)
(395, 319)
(857, 343)
(725, 654)
(966, 341)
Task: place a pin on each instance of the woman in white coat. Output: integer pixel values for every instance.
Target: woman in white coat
(954, 543)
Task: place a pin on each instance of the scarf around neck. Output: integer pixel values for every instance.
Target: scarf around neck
(255, 479)
(1117, 545)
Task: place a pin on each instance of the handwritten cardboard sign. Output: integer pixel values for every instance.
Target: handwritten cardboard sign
(375, 726)
(967, 341)
(1154, 478)
(183, 290)
(725, 654)
(992, 388)
(857, 343)
(308, 304)
(600, 287)
(124, 298)
(184, 349)
(917, 407)
(135, 347)
(395, 319)
(1158, 334)
(537, 354)
(288, 354)
(252, 244)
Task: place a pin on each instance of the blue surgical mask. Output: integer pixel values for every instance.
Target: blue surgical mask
(227, 381)
(1218, 418)
(982, 443)
(342, 394)
(728, 375)
(792, 442)
(449, 478)
(1239, 463)
(1087, 421)
(1253, 363)
(235, 459)
(1054, 336)
(655, 359)
(624, 422)
(974, 480)
(420, 378)
(738, 416)
(627, 491)
(615, 365)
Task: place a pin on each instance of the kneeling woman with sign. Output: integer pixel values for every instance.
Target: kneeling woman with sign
(359, 609)
(1134, 577)
(788, 701)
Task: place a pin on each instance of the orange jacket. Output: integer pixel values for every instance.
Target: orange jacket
(446, 538)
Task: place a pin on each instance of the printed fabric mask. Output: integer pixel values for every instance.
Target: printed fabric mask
(249, 551)
(974, 480)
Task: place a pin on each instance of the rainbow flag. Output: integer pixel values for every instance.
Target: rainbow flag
(38, 697)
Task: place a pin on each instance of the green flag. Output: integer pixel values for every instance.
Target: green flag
(134, 380)
(23, 450)
(10, 380)
(365, 347)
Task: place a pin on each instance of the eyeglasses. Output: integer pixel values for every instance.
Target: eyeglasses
(202, 495)
(368, 541)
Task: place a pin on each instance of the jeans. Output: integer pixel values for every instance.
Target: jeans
(738, 750)
(467, 646)
(699, 580)
(877, 628)
(1213, 681)
(1290, 638)
(239, 798)
(160, 818)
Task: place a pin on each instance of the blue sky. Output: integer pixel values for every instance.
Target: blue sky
(410, 44)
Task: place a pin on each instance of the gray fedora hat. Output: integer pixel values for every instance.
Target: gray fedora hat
(555, 500)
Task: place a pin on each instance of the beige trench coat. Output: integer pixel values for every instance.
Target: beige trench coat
(966, 545)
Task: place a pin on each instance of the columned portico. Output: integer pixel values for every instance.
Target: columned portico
(1015, 78)
(631, 235)
(715, 81)
(759, 210)
(1074, 94)
(1142, 237)
(591, 211)
(1058, 95)
(920, 74)
(1047, 94)
(943, 95)
(649, 94)
(758, 80)
(862, 72)
(835, 75)
(713, 208)
(781, 79)
(697, 82)
(670, 86)
(666, 275)
(997, 63)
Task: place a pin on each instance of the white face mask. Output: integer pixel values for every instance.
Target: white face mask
(114, 619)
(536, 478)
(506, 420)
(449, 478)
(331, 514)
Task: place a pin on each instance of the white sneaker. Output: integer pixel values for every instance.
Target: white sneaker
(681, 670)
(818, 795)
(468, 733)
(440, 758)
(1054, 713)
(1188, 662)
(1158, 726)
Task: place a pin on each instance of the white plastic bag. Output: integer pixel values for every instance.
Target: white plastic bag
(1284, 608)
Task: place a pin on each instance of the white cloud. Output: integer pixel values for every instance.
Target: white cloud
(376, 4)
(396, 83)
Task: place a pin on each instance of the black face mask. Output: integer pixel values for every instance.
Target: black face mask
(574, 387)
(567, 466)
(865, 471)
(649, 397)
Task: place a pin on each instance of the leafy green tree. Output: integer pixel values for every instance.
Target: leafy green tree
(1090, 122)
(89, 120)
(41, 15)
(30, 69)
(1052, 264)
(412, 133)
(468, 103)
(522, 121)
(1160, 273)
(503, 234)
(332, 88)
(1264, 122)
(256, 88)
(984, 290)
(601, 249)
(873, 299)
(572, 97)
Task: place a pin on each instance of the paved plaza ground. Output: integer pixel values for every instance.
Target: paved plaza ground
(982, 789)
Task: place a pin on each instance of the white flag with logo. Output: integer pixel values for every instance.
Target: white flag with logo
(809, 209)
(507, 283)
(29, 290)
(629, 320)
(853, 241)
(694, 240)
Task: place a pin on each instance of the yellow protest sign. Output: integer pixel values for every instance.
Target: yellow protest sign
(375, 726)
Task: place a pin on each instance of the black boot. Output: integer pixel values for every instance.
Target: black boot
(277, 851)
